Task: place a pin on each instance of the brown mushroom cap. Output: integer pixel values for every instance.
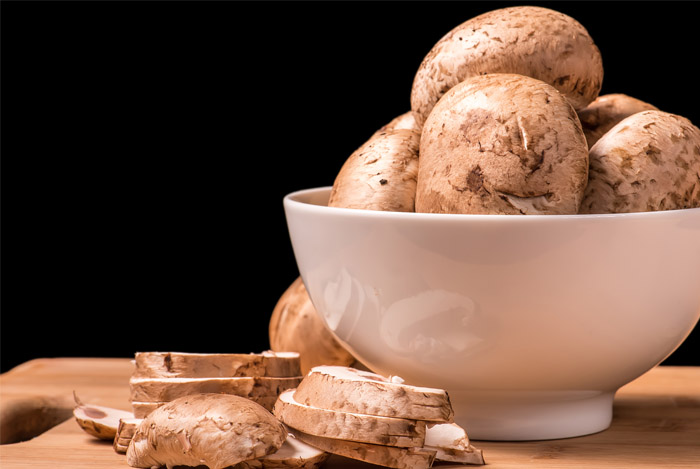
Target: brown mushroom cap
(606, 111)
(381, 174)
(526, 40)
(502, 144)
(217, 430)
(402, 121)
(296, 327)
(649, 161)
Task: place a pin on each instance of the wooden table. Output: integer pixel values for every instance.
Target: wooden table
(656, 422)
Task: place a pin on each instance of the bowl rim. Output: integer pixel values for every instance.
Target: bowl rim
(292, 199)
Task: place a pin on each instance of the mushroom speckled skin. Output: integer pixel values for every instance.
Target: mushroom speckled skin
(381, 174)
(606, 111)
(402, 121)
(649, 161)
(351, 426)
(379, 455)
(217, 430)
(502, 144)
(526, 40)
(295, 326)
(347, 389)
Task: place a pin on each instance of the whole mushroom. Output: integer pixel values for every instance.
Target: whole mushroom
(606, 111)
(402, 121)
(381, 173)
(649, 161)
(216, 430)
(502, 144)
(526, 40)
(295, 326)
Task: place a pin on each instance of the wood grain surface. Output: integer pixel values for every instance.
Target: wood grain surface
(656, 422)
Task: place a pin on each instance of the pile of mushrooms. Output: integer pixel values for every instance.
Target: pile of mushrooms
(337, 410)
(207, 409)
(506, 118)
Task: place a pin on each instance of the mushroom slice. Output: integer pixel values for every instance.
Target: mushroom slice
(350, 390)
(127, 427)
(216, 430)
(119, 448)
(142, 409)
(388, 456)
(347, 425)
(125, 432)
(211, 365)
(99, 421)
(451, 444)
(122, 442)
(167, 389)
(294, 454)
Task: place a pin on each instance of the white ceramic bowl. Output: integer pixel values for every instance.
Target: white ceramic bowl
(531, 323)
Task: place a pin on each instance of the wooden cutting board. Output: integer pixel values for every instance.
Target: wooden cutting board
(656, 422)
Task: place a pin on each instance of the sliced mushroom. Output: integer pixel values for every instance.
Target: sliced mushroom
(122, 442)
(347, 425)
(142, 409)
(120, 448)
(99, 421)
(387, 456)
(167, 389)
(210, 365)
(451, 444)
(350, 390)
(125, 432)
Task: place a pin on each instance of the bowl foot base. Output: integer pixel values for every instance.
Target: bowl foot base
(544, 416)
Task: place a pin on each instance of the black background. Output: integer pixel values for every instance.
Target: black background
(147, 146)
